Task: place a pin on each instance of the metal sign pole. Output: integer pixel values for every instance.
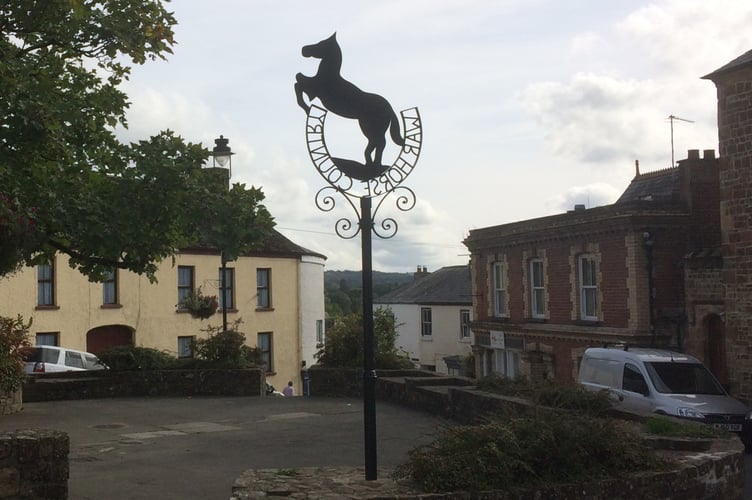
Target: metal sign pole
(369, 372)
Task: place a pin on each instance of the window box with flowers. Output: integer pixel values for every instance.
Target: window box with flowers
(199, 305)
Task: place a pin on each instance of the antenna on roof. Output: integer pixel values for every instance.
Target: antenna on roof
(671, 119)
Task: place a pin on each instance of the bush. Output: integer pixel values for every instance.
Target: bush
(522, 452)
(344, 343)
(224, 349)
(551, 394)
(137, 358)
(14, 343)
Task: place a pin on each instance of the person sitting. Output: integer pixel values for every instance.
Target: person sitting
(289, 390)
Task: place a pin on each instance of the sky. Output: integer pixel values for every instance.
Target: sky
(528, 107)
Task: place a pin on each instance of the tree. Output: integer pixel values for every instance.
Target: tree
(67, 184)
(344, 342)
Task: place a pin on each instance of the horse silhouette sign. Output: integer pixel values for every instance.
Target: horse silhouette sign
(375, 118)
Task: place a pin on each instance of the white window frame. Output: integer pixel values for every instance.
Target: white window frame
(229, 283)
(185, 346)
(464, 324)
(426, 322)
(588, 284)
(537, 289)
(507, 363)
(186, 280)
(499, 290)
(263, 288)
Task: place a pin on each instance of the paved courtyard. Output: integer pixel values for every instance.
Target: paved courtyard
(194, 448)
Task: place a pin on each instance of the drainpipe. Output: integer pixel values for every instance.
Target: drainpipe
(648, 243)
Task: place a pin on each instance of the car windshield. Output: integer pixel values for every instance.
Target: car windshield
(683, 378)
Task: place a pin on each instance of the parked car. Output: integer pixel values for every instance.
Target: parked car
(664, 382)
(48, 359)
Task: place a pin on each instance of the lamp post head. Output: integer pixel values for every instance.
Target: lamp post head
(222, 153)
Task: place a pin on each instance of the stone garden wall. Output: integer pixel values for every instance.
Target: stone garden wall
(34, 465)
(10, 402)
(163, 383)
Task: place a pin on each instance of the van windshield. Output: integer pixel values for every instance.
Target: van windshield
(683, 378)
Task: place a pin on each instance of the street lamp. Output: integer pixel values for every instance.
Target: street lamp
(222, 154)
(222, 158)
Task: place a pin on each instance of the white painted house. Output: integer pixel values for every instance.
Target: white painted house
(433, 314)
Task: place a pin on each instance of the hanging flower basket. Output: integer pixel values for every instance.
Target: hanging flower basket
(199, 305)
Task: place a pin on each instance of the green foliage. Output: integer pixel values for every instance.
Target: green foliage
(344, 342)
(550, 394)
(664, 426)
(199, 305)
(102, 202)
(522, 452)
(343, 293)
(224, 349)
(14, 344)
(126, 357)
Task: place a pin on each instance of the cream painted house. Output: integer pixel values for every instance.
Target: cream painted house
(433, 315)
(278, 292)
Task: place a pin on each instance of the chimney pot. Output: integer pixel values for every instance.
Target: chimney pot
(693, 154)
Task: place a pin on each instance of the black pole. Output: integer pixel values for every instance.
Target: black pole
(369, 372)
(223, 282)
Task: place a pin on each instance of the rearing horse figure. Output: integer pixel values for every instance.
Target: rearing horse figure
(374, 113)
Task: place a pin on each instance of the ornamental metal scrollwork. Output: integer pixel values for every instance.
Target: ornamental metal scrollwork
(375, 116)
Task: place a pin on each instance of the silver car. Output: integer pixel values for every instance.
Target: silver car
(664, 382)
(48, 359)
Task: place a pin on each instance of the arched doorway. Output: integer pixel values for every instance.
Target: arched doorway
(103, 337)
(715, 347)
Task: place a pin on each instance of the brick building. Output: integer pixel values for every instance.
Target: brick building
(546, 289)
(732, 326)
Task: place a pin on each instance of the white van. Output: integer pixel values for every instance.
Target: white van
(665, 382)
(48, 359)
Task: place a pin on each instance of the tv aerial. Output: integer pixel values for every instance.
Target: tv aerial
(671, 119)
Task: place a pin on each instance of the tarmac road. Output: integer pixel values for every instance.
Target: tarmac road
(194, 448)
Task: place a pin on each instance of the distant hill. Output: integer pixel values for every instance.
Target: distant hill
(354, 280)
(343, 289)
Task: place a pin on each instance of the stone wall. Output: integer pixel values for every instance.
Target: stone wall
(10, 402)
(34, 465)
(164, 383)
(714, 469)
(734, 90)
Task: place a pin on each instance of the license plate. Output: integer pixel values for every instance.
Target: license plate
(729, 427)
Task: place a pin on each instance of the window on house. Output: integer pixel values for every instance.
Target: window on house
(47, 338)
(185, 346)
(227, 288)
(464, 324)
(500, 290)
(537, 289)
(507, 363)
(264, 344)
(263, 288)
(425, 322)
(588, 288)
(185, 282)
(46, 284)
(319, 332)
(110, 288)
